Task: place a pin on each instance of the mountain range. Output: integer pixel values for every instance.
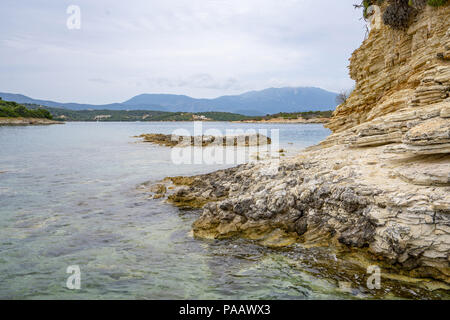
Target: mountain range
(268, 101)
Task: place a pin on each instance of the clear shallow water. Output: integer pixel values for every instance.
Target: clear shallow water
(69, 196)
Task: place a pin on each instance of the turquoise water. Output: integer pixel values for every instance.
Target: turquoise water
(69, 195)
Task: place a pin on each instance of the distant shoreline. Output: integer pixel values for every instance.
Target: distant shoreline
(288, 121)
(43, 121)
(296, 121)
(27, 121)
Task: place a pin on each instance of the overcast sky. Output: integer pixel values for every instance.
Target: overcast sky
(201, 48)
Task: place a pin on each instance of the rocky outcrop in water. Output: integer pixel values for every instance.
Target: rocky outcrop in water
(170, 140)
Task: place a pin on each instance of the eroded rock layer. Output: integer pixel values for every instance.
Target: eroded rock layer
(399, 69)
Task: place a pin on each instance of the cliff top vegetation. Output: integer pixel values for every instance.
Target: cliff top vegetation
(398, 13)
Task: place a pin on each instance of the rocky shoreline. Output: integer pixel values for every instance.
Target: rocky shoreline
(380, 184)
(333, 194)
(27, 121)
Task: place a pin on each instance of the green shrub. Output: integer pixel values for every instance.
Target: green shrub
(399, 12)
(14, 110)
(437, 3)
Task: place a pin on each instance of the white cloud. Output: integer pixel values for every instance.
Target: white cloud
(202, 48)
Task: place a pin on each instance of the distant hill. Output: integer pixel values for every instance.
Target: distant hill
(149, 115)
(263, 102)
(134, 115)
(19, 98)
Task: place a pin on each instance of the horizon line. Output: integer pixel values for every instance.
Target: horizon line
(172, 94)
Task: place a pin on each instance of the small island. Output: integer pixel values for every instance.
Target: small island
(12, 113)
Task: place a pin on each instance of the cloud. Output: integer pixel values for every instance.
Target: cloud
(200, 81)
(100, 80)
(195, 47)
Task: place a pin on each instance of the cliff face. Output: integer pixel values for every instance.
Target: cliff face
(397, 70)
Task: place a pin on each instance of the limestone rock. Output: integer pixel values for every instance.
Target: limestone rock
(396, 209)
(432, 131)
(395, 70)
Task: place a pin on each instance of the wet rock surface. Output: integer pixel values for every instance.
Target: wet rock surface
(336, 195)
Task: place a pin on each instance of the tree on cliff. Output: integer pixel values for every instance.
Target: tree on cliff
(398, 13)
(343, 96)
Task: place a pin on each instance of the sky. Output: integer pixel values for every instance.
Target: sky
(200, 48)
